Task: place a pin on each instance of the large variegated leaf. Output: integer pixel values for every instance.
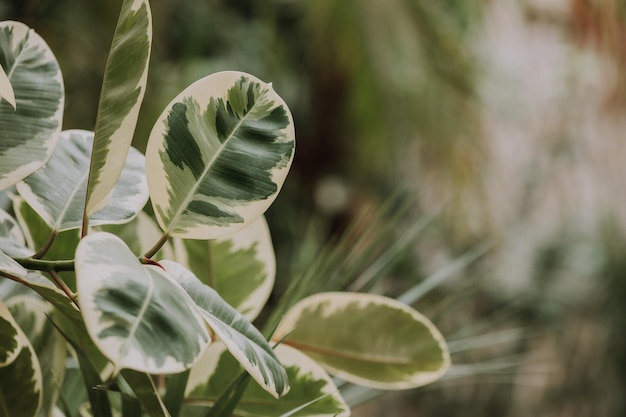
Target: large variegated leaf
(20, 374)
(308, 381)
(136, 316)
(241, 267)
(57, 190)
(29, 126)
(367, 339)
(218, 155)
(123, 89)
(32, 315)
(12, 240)
(6, 90)
(241, 338)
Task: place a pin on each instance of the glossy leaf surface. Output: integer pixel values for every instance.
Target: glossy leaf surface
(31, 125)
(367, 339)
(218, 155)
(136, 316)
(123, 89)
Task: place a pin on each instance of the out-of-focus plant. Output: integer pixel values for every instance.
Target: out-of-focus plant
(153, 317)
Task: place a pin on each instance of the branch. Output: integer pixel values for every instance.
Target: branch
(43, 265)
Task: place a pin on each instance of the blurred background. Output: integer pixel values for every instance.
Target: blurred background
(472, 148)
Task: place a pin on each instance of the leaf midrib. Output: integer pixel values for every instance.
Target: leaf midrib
(140, 315)
(174, 219)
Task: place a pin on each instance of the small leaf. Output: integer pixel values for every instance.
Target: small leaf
(123, 89)
(32, 122)
(308, 381)
(136, 316)
(20, 377)
(367, 339)
(241, 338)
(241, 267)
(57, 191)
(218, 155)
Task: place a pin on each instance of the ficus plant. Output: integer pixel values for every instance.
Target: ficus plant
(107, 310)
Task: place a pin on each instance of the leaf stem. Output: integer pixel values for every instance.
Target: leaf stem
(63, 286)
(47, 266)
(85, 226)
(158, 245)
(44, 249)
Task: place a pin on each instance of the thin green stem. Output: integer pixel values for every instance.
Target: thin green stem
(85, 226)
(158, 245)
(46, 247)
(43, 265)
(63, 286)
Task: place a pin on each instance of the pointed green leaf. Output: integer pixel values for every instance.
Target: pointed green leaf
(136, 316)
(12, 240)
(57, 190)
(308, 381)
(30, 127)
(367, 339)
(123, 89)
(20, 377)
(241, 338)
(6, 90)
(241, 267)
(218, 155)
(146, 392)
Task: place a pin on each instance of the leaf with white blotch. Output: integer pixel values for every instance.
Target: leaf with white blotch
(6, 90)
(241, 267)
(308, 380)
(20, 373)
(123, 89)
(32, 315)
(218, 155)
(136, 316)
(51, 293)
(57, 191)
(12, 240)
(9, 266)
(31, 125)
(241, 338)
(367, 339)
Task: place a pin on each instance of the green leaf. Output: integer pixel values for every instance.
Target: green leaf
(367, 339)
(123, 89)
(241, 338)
(12, 240)
(31, 314)
(6, 90)
(57, 190)
(218, 155)
(52, 294)
(241, 267)
(136, 316)
(146, 392)
(308, 381)
(31, 126)
(20, 374)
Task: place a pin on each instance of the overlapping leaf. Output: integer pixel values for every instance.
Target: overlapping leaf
(241, 267)
(218, 155)
(6, 90)
(367, 339)
(123, 89)
(12, 240)
(241, 338)
(31, 124)
(308, 381)
(136, 316)
(57, 191)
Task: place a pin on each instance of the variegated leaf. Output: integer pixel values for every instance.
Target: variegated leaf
(30, 125)
(12, 240)
(136, 316)
(218, 155)
(241, 267)
(123, 89)
(367, 339)
(20, 373)
(57, 190)
(9, 266)
(6, 90)
(308, 381)
(241, 338)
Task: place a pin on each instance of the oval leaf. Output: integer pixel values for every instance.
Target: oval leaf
(241, 267)
(20, 378)
(367, 339)
(123, 89)
(135, 315)
(218, 155)
(241, 338)
(31, 125)
(57, 191)
(308, 381)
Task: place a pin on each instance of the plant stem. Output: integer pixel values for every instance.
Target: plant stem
(43, 265)
(44, 249)
(158, 245)
(85, 226)
(63, 286)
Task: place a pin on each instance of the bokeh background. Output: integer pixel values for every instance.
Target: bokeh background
(497, 125)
